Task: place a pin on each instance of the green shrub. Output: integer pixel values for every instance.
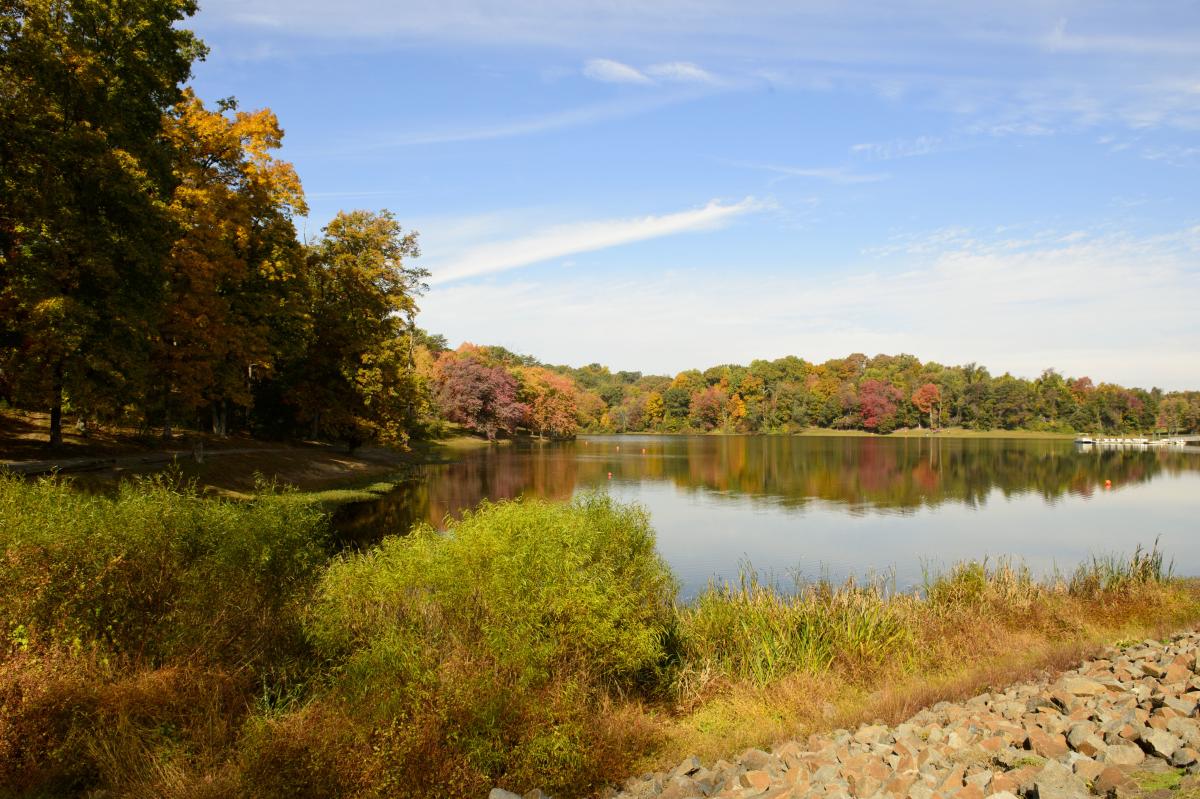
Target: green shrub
(480, 655)
(155, 575)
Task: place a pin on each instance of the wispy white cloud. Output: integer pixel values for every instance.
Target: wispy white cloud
(1110, 305)
(831, 174)
(579, 237)
(899, 148)
(1059, 39)
(554, 120)
(683, 72)
(608, 71)
(1173, 154)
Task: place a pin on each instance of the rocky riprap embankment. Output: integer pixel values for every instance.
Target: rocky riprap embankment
(1100, 730)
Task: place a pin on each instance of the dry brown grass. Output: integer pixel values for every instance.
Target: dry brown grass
(961, 649)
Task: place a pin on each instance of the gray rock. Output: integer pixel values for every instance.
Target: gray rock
(757, 759)
(500, 793)
(1160, 743)
(1056, 781)
(1180, 705)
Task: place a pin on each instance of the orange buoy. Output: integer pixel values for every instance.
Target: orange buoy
(643, 451)
(610, 475)
(1108, 483)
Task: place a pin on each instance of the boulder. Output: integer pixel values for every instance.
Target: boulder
(1083, 686)
(1160, 743)
(1056, 781)
(1049, 746)
(1111, 781)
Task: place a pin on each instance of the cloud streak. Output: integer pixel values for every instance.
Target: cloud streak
(608, 71)
(830, 174)
(545, 123)
(579, 237)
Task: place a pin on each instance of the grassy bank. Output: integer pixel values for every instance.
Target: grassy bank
(162, 644)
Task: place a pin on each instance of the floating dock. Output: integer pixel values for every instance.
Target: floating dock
(1102, 441)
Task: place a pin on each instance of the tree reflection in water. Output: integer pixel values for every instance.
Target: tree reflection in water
(859, 475)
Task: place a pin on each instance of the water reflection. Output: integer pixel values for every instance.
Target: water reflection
(717, 500)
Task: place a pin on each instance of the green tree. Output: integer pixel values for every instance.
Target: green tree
(85, 174)
(356, 378)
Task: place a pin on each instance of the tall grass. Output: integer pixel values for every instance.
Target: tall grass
(752, 631)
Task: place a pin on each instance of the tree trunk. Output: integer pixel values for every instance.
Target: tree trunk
(220, 418)
(56, 403)
(167, 431)
(316, 425)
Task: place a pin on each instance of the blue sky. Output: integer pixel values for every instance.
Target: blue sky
(678, 183)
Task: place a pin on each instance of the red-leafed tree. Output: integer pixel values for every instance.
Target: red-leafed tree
(927, 398)
(707, 407)
(877, 405)
(484, 398)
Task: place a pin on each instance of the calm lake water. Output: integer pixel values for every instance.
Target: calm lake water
(836, 506)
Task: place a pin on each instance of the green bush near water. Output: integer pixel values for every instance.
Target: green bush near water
(501, 637)
(157, 575)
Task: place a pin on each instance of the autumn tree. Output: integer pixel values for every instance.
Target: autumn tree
(85, 177)
(551, 400)
(1172, 413)
(355, 378)
(707, 407)
(481, 397)
(926, 399)
(653, 410)
(877, 404)
(232, 279)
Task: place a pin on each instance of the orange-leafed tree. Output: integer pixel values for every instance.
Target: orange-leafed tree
(231, 275)
(552, 402)
(927, 398)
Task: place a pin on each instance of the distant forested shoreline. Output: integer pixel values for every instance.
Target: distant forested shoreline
(880, 394)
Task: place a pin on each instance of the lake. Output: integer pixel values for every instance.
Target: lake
(816, 506)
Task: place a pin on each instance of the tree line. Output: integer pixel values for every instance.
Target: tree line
(880, 394)
(150, 268)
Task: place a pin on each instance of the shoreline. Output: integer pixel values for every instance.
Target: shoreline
(1121, 724)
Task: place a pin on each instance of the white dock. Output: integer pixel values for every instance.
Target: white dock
(1136, 443)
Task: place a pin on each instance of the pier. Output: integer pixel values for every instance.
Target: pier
(1137, 442)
